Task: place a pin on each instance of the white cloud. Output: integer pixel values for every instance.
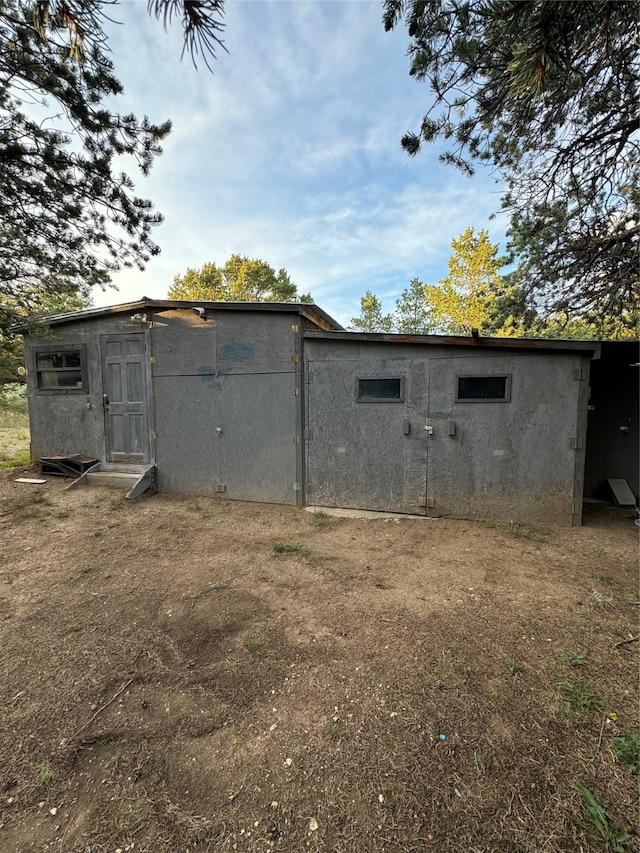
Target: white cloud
(291, 152)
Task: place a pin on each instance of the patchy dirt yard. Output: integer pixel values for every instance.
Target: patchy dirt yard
(193, 674)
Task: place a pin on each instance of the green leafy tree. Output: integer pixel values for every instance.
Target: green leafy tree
(411, 317)
(69, 217)
(371, 318)
(35, 303)
(413, 314)
(476, 295)
(241, 279)
(455, 305)
(515, 314)
(465, 299)
(512, 311)
(586, 328)
(11, 357)
(547, 92)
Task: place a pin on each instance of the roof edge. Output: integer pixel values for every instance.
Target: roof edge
(309, 310)
(539, 344)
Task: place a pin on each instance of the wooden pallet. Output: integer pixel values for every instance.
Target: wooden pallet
(66, 466)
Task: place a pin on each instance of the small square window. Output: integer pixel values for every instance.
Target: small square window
(379, 389)
(477, 389)
(61, 370)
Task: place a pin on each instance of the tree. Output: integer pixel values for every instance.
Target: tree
(464, 300)
(371, 318)
(547, 92)
(476, 295)
(413, 315)
(35, 303)
(514, 314)
(241, 279)
(68, 216)
(455, 305)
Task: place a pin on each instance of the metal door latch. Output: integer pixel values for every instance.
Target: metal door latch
(428, 429)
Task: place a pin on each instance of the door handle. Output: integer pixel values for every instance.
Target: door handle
(105, 400)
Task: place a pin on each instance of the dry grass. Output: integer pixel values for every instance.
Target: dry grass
(399, 691)
(14, 432)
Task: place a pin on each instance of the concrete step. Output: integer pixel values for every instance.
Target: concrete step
(118, 479)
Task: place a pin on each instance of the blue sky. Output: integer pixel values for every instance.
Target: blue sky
(290, 152)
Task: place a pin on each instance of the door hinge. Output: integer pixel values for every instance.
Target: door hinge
(296, 487)
(219, 488)
(152, 359)
(575, 443)
(295, 358)
(295, 329)
(154, 393)
(577, 374)
(296, 439)
(154, 436)
(295, 391)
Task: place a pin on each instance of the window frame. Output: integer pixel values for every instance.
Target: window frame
(507, 388)
(395, 377)
(81, 349)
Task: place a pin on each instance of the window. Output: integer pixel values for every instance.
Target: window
(377, 389)
(61, 370)
(478, 389)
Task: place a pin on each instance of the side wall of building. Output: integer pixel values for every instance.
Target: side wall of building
(225, 416)
(520, 458)
(69, 422)
(227, 404)
(224, 402)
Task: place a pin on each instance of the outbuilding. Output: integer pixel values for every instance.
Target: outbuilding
(275, 402)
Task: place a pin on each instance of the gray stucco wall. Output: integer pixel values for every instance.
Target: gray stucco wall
(225, 414)
(226, 411)
(236, 372)
(72, 423)
(516, 460)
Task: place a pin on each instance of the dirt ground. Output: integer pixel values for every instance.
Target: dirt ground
(195, 674)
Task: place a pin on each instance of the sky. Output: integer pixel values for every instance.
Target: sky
(290, 152)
